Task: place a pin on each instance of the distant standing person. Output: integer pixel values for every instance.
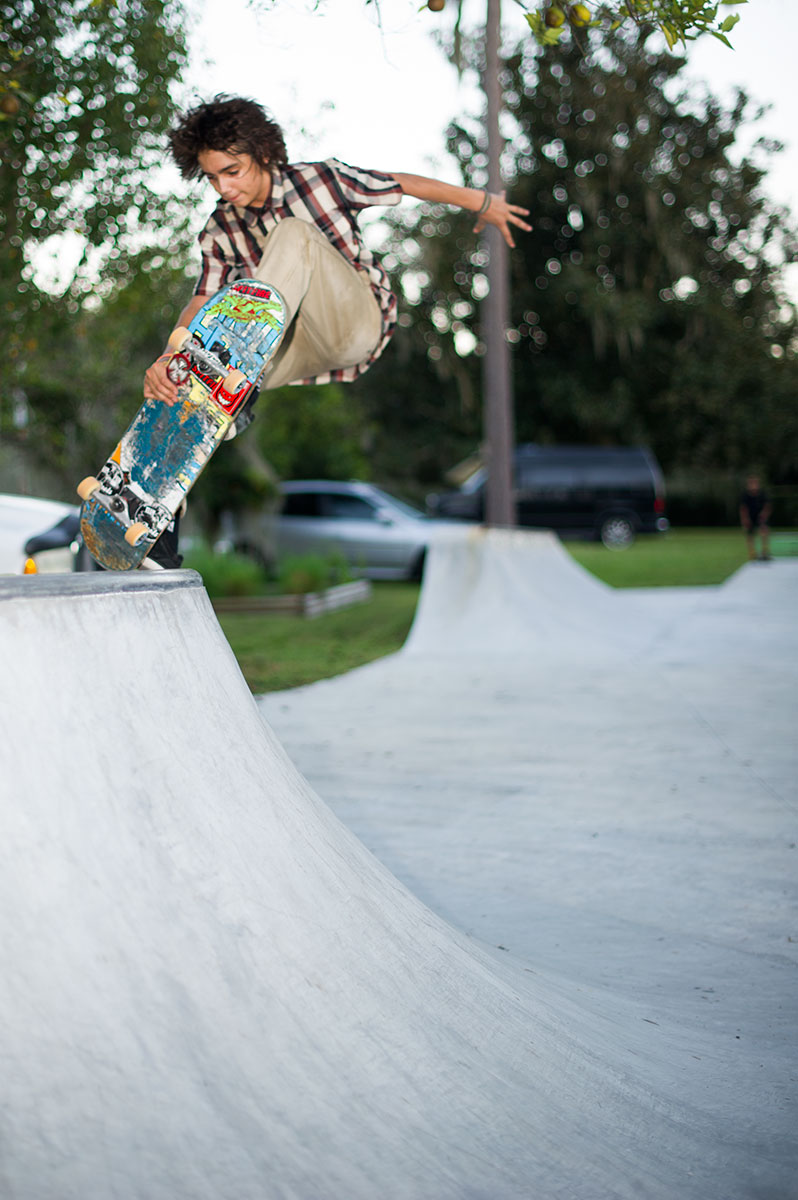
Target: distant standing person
(755, 510)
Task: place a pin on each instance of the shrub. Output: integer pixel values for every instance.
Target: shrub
(298, 574)
(226, 574)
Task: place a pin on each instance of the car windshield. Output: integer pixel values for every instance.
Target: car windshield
(475, 481)
(393, 502)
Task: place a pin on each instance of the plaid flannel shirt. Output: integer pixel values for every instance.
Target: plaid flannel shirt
(326, 194)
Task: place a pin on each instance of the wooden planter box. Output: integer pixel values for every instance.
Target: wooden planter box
(310, 604)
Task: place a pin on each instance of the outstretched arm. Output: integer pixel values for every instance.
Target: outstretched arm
(498, 212)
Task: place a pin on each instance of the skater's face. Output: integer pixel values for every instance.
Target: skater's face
(236, 177)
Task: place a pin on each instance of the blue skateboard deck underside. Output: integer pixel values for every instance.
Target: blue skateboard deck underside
(165, 448)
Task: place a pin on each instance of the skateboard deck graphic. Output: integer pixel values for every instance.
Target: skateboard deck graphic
(216, 364)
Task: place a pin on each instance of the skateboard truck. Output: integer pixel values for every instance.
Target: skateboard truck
(144, 520)
(188, 349)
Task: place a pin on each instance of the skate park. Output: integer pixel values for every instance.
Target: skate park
(510, 913)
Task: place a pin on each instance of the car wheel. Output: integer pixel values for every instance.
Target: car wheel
(617, 532)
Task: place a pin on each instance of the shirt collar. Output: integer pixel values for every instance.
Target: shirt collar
(251, 216)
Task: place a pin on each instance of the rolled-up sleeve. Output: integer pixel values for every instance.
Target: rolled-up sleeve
(362, 188)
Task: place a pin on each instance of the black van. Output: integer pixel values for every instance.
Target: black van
(606, 492)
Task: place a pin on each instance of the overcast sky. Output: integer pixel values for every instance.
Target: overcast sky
(381, 97)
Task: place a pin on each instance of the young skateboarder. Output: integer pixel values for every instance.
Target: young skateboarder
(294, 226)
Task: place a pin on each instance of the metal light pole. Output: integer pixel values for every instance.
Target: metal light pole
(496, 370)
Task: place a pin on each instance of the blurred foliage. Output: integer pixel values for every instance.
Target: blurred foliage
(89, 85)
(314, 432)
(226, 574)
(231, 574)
(298, 574)
(83, 369)
(85, 101)
(238, 478)
(677, 20)
(647, 302)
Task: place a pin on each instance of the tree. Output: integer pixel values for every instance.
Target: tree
(313, 431)
(84, 103)
(83, 369)
(647, 302)
(677, 20)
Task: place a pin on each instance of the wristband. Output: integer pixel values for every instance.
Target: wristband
(485, 203)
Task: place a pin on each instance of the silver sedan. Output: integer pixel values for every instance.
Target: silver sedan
(379, 536)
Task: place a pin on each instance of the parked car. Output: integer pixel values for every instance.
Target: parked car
(607, 492)
(380, 536)
(22, 519)
(61, 548)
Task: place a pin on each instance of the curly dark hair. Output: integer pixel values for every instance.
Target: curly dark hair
(228, 123)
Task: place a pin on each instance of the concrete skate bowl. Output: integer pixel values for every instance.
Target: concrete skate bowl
(210, 989)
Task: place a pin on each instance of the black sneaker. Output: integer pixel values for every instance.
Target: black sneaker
(164, 552)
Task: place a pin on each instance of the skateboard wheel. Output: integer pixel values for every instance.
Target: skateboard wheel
(178, 369)
(133, 534)
(178, 338)
(234, 381)
(87, 487)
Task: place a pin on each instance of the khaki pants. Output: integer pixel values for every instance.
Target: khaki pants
(333, 316)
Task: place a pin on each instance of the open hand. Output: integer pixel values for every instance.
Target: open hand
(503, 215)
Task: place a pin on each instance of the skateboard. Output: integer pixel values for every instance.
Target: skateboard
(216, 363)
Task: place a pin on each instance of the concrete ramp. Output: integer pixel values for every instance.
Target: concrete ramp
(513, 591)
(600, 785)
(210, 989)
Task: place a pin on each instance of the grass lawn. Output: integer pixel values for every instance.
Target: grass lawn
(276, 652)
(680, 558)
(283, 652)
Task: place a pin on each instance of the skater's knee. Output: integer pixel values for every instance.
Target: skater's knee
(291, 232)
(289, 252)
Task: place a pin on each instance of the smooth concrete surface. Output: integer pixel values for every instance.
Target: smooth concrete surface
(210, 988)
(601, 786)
